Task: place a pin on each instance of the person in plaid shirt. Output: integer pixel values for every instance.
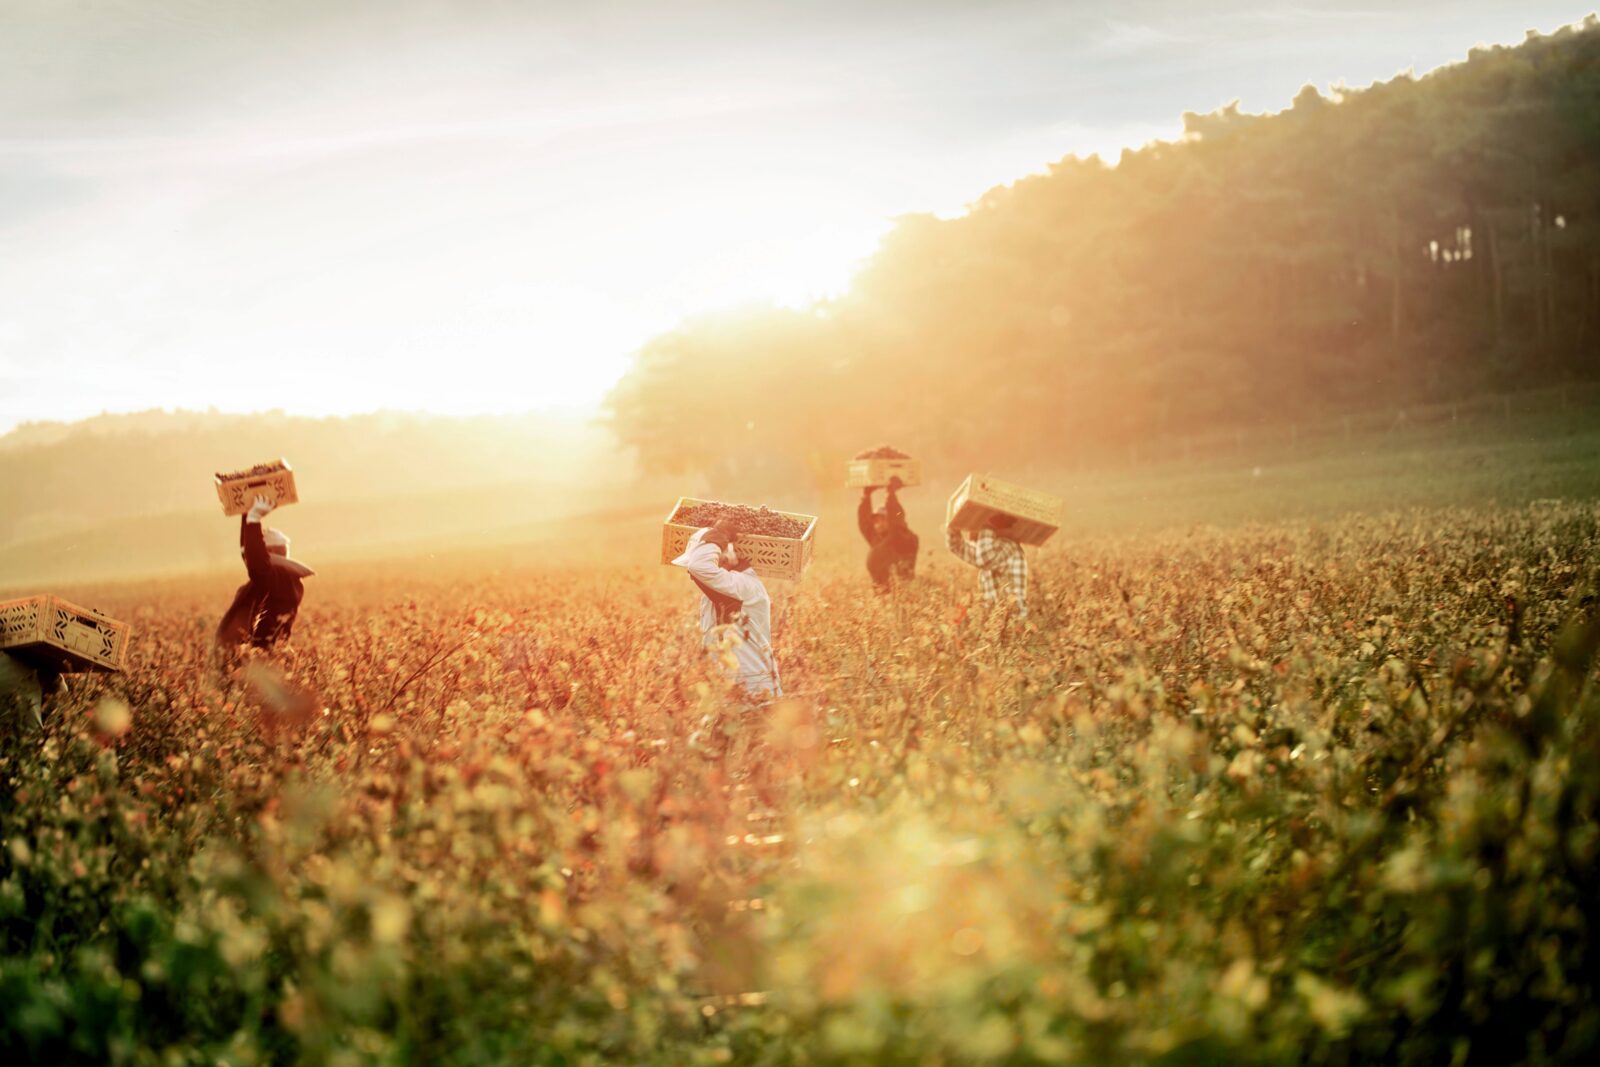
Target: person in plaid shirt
(999, 559)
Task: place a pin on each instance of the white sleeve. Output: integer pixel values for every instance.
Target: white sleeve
(704, 566)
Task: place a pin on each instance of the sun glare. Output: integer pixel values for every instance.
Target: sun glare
(567, 334)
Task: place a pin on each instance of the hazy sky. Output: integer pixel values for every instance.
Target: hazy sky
(339, 205)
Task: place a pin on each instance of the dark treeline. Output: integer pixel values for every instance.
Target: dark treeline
(1419, 239)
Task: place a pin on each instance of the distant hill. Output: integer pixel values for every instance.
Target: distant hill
(119, 495)
(108, 424)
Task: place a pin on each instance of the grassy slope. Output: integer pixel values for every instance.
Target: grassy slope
(1481, 462)
(1485, 462)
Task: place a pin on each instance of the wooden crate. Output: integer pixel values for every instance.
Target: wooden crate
(771, 557)
(864, 473)
(237, 494)
(1037, 514)
(50, 632)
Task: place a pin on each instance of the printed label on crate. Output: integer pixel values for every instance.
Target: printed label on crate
(1034, 516)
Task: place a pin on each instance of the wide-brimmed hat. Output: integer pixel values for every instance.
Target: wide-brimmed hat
(278, 553)
(293, 566)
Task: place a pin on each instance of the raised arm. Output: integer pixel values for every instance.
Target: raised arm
(703, 565)
(985, 549)
(958, 546)
(256, 563)
(895, 510)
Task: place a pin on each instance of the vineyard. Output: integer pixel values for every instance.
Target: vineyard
(1293, 792)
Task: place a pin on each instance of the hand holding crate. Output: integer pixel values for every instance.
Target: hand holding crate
(778, 544)
(1036, 516)
(876, 466)
(274, 481)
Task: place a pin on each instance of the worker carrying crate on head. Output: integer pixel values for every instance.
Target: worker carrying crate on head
(264, 608)
(44, 637)
(25, 691)
(734, 608)
(1002, 566)
(892, 551)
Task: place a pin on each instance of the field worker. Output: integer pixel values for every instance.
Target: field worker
(24, 691)
(892, 551)
(264, 608)
(733, 605)
(1002, 568)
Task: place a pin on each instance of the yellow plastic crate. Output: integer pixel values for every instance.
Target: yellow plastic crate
(770, 557)
(238, 491)
(864, 473)
(51, 632)
(1037, 514)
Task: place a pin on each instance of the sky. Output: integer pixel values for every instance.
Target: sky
(337, 206)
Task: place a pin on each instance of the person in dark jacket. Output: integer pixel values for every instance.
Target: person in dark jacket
(264, 609)
(26, 690)
(892, 555)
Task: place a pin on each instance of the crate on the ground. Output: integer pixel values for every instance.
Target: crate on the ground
(770, 557)
(48, 631)
(1035, 515)
(866, 473)
(239, 490)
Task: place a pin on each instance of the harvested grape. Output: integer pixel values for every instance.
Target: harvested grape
(882, 452)
(255, 472)
(763, 521)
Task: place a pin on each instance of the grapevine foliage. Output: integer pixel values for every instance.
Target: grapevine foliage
(1316, 793)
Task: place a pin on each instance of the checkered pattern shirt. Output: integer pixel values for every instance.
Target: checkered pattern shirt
(999, 560)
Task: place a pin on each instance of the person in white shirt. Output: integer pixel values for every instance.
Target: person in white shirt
(734, 607)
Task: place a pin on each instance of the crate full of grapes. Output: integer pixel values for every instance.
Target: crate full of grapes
(777, 543)
(239, 490)
(1034, 516)
(876, 466)
(48, 631)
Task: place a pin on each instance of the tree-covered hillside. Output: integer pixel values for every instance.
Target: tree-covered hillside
(1422, 238)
